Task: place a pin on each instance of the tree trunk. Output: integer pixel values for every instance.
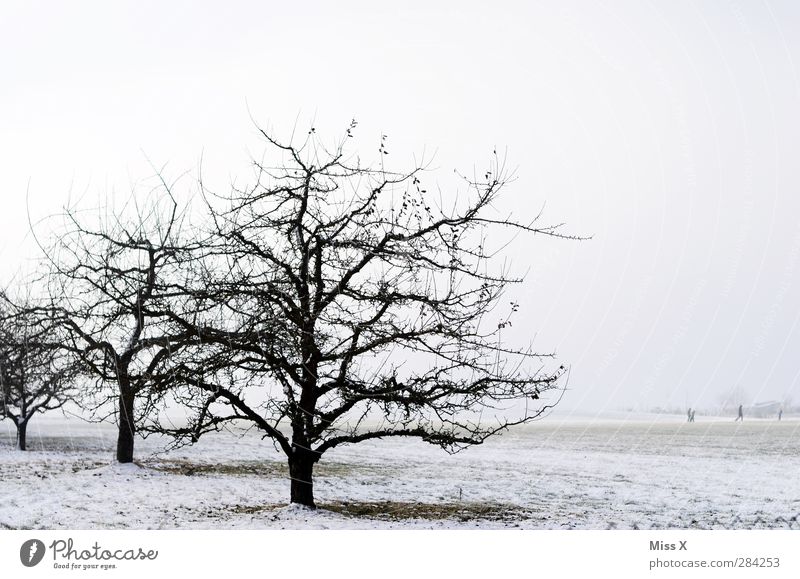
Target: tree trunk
(22, 434)
(126, 426)
(301, 466)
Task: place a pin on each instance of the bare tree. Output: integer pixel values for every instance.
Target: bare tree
(109, 278)
(730, 400)
(35, 374)
(343, 303)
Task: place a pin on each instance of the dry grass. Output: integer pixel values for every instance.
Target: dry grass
(255, 468)
(254, 509)
(399, 511)
(395, 510)
(246, 468)
(378, 510)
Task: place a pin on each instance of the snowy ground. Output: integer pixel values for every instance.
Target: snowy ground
(594, 474)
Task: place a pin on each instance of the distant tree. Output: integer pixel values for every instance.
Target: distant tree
(341, 303)
(786, 402)
(108, 279)
(732, 399)
(35, 374)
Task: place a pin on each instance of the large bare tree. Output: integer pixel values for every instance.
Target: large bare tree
(342, 303)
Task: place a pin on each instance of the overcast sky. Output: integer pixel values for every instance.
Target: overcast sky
(668, 131)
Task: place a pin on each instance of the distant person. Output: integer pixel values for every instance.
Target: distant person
(741, 414)
(780, 414)
(691, 416)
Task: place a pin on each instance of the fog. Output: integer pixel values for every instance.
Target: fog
(667, 132)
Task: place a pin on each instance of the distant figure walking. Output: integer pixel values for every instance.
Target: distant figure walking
(780, 414)
(691, 416)
(741, 414)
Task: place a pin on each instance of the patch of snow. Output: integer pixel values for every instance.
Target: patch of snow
(554, 474)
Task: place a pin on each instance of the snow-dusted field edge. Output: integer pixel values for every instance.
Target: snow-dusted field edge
(555, 474)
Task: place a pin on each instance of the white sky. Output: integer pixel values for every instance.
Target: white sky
(668, 131)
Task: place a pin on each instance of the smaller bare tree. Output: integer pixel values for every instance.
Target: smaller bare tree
(108, 278)
(35, 374)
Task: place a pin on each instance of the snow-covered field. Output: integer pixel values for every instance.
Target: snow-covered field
(594, 474)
